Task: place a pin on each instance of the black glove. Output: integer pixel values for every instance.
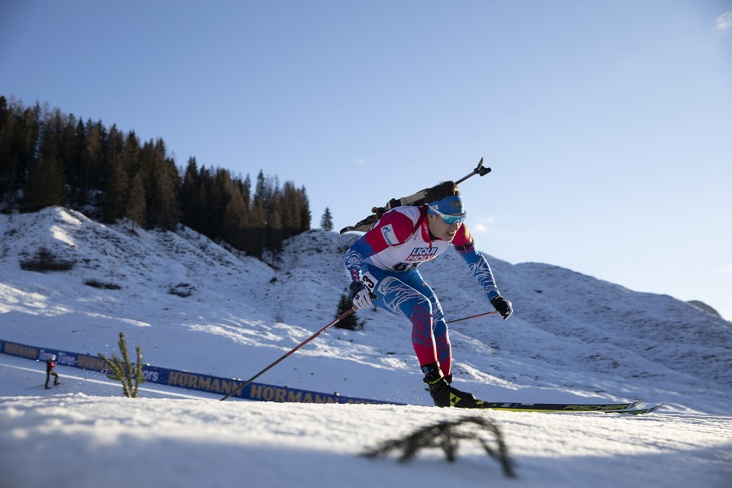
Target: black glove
(502, 305)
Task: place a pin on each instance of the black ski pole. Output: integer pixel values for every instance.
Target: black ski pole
(472, 317)
(479, 170)
(250, 380)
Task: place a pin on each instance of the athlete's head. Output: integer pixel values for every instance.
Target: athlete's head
(445, 210)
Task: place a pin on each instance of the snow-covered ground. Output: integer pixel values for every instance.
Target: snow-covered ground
(572, 338)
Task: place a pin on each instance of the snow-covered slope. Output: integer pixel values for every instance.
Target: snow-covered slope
(193, 305)
(570, 332)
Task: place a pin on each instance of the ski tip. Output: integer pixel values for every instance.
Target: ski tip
(638, 411)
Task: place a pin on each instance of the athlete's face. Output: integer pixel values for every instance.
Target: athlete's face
(441, 229)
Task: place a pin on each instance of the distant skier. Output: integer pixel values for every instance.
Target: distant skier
(50, 364)
(383, 268)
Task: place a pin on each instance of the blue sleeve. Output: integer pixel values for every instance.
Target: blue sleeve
(354, 258)
(480, 268)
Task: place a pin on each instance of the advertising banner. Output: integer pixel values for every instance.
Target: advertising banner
(183, 379)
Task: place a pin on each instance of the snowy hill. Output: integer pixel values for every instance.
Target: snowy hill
(195, 306)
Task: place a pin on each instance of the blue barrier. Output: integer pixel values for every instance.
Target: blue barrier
(184, 379)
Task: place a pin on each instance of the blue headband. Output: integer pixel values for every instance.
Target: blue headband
(452, 205)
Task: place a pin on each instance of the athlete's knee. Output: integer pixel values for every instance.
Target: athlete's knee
(424, 305)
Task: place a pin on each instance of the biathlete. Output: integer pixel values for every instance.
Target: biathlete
(383, 263)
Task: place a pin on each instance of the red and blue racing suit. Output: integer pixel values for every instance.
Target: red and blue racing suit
(385, 260)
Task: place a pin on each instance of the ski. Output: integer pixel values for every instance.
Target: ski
(560, 407)
(637, 411)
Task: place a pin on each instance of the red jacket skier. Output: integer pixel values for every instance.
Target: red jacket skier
(50, 364)
(383, 268)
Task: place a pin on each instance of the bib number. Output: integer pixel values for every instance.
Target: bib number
(369, 281)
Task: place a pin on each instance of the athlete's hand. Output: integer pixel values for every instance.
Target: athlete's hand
(361, 297)
(502, 305)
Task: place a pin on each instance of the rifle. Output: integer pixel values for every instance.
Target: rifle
(419, 198)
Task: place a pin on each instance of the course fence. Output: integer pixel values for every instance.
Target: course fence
(183, 379)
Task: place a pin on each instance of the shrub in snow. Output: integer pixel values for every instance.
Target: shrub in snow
(447, 436)
(130, 375)
(44, 260)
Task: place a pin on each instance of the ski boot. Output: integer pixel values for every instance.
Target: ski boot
(442, 393)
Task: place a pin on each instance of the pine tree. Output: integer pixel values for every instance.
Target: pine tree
(292, 218)
(275, 233)
(45, 185)
(194, 199)
(305, 216)
(235, 218)
(116, 181)
(255, 235)
(136, 208)
(91, 162)
(326, 223)
(117, 190)
(274, 238)
(161, 186)
(349, 322)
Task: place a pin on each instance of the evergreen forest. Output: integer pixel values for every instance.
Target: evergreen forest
(49, 158)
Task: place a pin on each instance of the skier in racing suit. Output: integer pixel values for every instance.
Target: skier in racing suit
(383, 263)
(50, 364)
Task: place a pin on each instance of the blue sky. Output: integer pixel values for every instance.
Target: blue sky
(608, 125)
